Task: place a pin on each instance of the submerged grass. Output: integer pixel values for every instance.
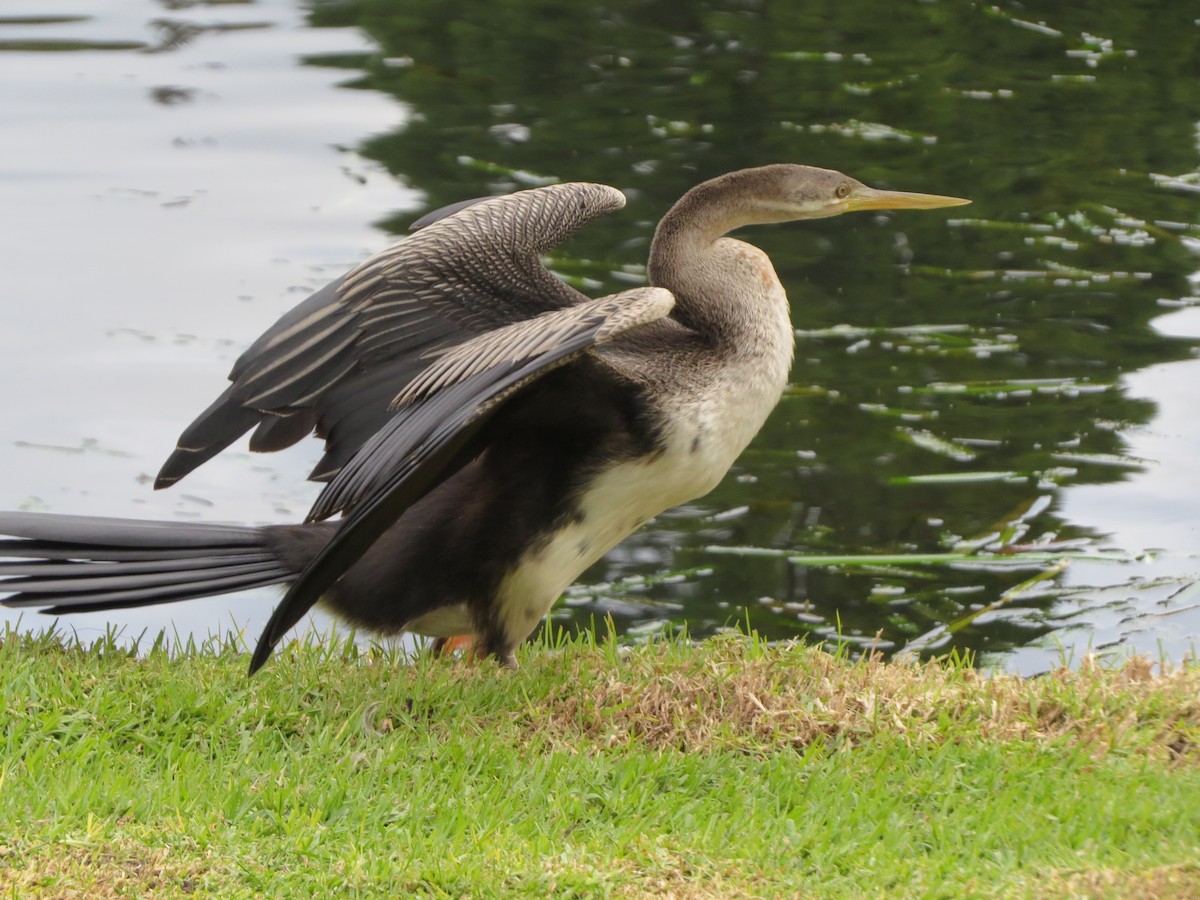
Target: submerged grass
(731, 768)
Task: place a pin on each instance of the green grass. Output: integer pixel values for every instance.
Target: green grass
(729, 768)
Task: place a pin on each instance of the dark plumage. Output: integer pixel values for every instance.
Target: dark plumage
(489, 431)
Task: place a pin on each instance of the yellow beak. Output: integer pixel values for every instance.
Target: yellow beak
(869, 198)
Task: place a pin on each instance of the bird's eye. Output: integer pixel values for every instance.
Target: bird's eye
(842, 191)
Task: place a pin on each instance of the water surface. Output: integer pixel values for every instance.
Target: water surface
(1000, 398)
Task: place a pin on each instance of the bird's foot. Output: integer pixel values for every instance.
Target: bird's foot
(464, 643)
(472, 650)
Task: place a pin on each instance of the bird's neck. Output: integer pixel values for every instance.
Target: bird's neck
(725, 290)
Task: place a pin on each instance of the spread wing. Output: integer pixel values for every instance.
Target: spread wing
(430, 435)
(334, 363)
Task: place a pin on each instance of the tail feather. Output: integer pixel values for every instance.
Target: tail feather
(22, 549)
(124, 532)
(47, 567)
(100, 601)
(89, 577)
(66, 564)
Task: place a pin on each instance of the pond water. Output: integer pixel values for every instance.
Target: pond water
(997, 403)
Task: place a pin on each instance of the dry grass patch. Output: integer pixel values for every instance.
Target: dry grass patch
(656, 872)
(741, 695)
(122, 870)
(1178, 882)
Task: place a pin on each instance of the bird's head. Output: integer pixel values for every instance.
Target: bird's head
(784, 193)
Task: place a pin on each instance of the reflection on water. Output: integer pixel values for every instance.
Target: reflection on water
(996, 399)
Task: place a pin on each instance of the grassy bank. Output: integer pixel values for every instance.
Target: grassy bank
(728, 769)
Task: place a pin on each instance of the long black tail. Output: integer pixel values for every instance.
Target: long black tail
(87, 563)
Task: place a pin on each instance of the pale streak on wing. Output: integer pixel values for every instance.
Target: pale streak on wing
(275, 339)
(315, 393)
(512, 344)
(533, 348)
(313, 341)
(312, 364)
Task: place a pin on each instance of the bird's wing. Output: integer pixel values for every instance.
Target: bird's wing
(443, 211)
(430, 436)
(335, 361)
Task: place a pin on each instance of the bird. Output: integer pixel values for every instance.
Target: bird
(490, 431)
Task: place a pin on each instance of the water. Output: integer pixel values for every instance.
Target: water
(1011, 382)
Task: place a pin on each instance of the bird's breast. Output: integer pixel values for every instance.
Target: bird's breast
(700, 442)
(611, 505)
(707, 412)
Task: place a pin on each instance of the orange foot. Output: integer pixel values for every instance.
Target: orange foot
(464, 642)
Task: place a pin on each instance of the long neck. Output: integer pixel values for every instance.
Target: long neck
(723, 288)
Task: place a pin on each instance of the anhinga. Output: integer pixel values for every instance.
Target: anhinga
(490, 432)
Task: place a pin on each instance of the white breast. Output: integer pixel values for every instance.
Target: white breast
(617, 503)
(711, 420)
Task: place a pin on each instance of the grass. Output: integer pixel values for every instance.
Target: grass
(731, 768)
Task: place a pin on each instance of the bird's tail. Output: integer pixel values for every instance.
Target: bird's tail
(71, 564)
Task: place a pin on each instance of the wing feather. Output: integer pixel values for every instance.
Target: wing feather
(472, 268)
(424, 442)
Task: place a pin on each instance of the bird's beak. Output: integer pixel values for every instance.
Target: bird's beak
(870, 198)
